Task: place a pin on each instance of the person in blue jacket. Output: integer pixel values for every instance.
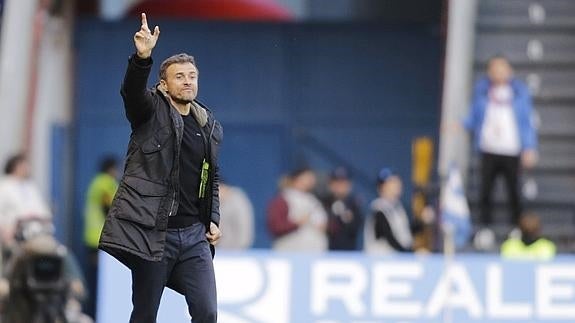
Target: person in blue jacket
(500, 121)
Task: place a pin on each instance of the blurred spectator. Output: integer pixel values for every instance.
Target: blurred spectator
(20, 198)
(344, 213)
(388, 229)
(45, 282)
(237, 218)
(530, 245)
(500, 120)
(277, 211)
(296, 218)
(98, 200)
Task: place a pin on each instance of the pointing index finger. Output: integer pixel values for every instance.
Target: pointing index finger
(144, 21)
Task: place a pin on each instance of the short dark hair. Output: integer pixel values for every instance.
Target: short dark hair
(13, 162)
(108, 163)
(298, 171)
(340, 174)
(175, 59)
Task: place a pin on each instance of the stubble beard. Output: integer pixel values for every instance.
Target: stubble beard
(182, 100)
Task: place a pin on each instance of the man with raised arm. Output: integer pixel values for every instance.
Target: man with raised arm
(163, 222)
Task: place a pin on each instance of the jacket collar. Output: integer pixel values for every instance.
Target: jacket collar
(484, 84)
(196, 102)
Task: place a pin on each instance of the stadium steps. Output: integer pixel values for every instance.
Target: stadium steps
(522, 14)
(538, 37)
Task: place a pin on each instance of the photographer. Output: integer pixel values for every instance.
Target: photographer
(45, 284)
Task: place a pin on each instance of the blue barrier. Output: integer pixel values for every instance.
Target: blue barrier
(264, 286)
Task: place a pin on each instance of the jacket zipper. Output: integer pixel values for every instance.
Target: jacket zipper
(178, 152)
(172, 206)
(206, 165)
(207, 141)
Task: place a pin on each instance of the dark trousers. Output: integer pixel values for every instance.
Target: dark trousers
(187, 268)
(491, 167)
(92, 282)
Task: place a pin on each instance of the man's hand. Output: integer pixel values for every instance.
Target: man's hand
(144, 40)
(77, 289)
(214, 234)
(529, 158)
(302, 220)
(427, 215)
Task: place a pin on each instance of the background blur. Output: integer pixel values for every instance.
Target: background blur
(321, 83)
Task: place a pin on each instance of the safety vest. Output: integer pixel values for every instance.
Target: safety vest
(542, 249)
(98, 199)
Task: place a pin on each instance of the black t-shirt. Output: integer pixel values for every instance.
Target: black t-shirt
(192, 154)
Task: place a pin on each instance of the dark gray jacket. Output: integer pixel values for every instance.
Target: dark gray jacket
(148, 192)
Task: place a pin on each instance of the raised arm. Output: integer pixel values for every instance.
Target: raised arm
(138, 100)
(144, 40)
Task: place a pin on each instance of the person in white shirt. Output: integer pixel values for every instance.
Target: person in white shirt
(389, 228)
(237, 214)
(501, 122)
(305, 212)
(20, 199)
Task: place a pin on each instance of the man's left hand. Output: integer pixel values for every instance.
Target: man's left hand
(214, 234)
(529, 158)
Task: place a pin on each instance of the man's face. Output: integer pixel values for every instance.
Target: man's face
(181, 82)
(530, 225)
(392, 188)
(499, 71)
(340, 188)
(113, 172)
(22, 169)
(305, 181)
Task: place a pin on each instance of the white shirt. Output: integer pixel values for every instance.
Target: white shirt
(499, 133)
(398, 222)
(20, 199)
(307, 237)
(236, 220)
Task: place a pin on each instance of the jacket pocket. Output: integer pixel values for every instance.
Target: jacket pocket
(139, 200)
(157, 141)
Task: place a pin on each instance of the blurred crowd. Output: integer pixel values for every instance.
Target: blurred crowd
(299, 219)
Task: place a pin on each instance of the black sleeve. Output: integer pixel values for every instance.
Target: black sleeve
(383, 231)
(138, 100)
(353, 227)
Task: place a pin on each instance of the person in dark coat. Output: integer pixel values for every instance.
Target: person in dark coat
(344, 212)
(163, 221)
